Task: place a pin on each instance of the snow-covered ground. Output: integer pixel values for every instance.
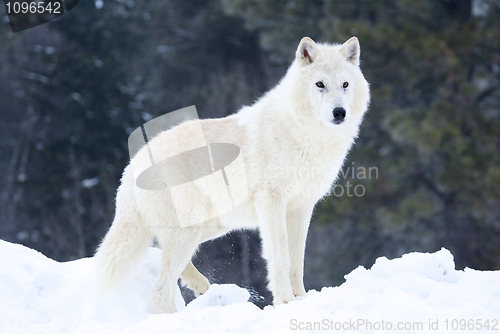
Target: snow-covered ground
(418, 293)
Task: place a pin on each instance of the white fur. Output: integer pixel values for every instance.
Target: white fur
(292, 152)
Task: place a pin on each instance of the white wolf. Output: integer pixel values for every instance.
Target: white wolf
(293, 142)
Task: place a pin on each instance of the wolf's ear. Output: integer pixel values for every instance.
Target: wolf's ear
(307, 51)
(350, 50)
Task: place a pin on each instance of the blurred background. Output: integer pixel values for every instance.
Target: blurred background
(72, 90)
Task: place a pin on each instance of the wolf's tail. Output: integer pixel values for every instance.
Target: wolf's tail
(125, 243)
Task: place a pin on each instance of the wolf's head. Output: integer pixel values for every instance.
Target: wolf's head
(328, 84)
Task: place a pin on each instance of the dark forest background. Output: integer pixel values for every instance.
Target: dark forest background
(72, 90)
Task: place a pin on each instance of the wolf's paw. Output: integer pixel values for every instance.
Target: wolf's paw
(298, 290)
(284, 299)
(300, 293)
(161, 306)
(200, 287)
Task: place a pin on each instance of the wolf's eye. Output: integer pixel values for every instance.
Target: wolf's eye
(345, 84)
(320, 84)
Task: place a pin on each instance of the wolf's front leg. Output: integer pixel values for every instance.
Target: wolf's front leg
(297, 223)
(271, 211)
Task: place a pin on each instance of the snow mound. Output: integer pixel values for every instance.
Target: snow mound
(417, 293)
(220, 295)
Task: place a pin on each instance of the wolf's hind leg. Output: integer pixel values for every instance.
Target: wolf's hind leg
(177, 248)
(194, 280)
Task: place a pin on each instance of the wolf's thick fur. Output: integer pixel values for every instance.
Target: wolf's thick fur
(292, 147)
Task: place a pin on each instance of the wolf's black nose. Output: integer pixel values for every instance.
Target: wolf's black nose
(338, 115)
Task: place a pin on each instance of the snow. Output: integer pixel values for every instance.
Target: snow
(39, 295)
(89, 183)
